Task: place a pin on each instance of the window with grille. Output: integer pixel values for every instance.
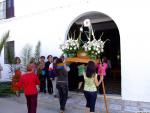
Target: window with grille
(6, 9)
(9, 52)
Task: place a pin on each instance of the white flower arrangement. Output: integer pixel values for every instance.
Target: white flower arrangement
(70, 46)
(94, 48)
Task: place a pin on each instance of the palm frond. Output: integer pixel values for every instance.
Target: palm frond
(26, 54)
(4, 40)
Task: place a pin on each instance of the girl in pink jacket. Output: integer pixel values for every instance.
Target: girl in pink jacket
(102, 66)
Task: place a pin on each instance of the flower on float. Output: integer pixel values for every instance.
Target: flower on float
(85, 49)
(97, 49)
(94, 48)
(102, 50)
(81, 29)
(89, 48)
(70, 46)
(87, 23)
(75, 48)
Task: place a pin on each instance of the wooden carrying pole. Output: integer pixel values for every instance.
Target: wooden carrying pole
(104, 93)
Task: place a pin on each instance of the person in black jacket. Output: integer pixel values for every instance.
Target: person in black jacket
(49, 82)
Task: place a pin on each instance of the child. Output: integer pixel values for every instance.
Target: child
(102, 66)
(29, 81)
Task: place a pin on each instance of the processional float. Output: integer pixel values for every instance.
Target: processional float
(89, 51)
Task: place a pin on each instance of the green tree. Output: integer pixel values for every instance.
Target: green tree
(37, 52)
(26, 54)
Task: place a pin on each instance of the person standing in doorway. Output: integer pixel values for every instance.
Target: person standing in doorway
(81, 69)
(108, 76)
(102, 66)
(28, 82)
(90, 86)
(47, 78)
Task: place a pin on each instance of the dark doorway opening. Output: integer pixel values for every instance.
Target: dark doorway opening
(101, 24)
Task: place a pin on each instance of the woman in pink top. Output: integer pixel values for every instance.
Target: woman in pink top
(102, 66)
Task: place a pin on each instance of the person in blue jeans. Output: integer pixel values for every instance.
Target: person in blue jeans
(90, 86)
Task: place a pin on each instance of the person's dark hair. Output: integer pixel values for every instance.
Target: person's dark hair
(55, 62)
(42, 57)
(32, 60)
(104, 60)
(54, 58)
(62, 57)
(60, 72)
(17, 58)
(29, 67)
(91, 69)
(59, 60)
(49, 56)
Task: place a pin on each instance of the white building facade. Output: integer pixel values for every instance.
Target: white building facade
(49, 22)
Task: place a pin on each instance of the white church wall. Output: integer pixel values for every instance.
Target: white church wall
(132, 18)
(133, 22)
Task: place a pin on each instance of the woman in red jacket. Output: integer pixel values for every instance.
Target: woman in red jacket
(29, 81)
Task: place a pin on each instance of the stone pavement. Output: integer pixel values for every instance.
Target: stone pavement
(75, 104)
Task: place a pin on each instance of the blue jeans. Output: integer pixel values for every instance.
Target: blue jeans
(90, 99)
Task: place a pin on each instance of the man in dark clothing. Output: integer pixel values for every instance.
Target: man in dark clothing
(49, 82)
(41, 73)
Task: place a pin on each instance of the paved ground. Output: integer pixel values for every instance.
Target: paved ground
(49, 104)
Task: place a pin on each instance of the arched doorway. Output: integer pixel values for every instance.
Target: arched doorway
(102, 24)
